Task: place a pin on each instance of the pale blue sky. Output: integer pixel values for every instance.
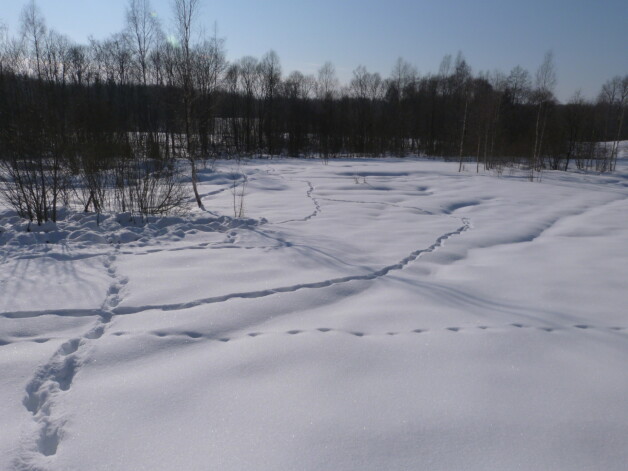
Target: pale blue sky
(589, 37)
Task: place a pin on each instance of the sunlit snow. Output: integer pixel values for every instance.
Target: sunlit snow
(379, 314)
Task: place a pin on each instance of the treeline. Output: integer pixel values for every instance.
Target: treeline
(123, 110)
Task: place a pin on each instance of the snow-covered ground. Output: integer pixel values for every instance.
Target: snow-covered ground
(365, 315)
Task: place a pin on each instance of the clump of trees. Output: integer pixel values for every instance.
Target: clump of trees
(110, 122)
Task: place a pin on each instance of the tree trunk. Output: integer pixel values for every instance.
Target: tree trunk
(616, 144)
(464, 130)
(194, 185)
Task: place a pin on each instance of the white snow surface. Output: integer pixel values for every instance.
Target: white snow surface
(365, 315)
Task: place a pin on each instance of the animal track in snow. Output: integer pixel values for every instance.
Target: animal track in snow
(317, 206)
(57, 375)
(98, 332)
(112, 299)
(111, 303)
(122, 310)
(50, 380)
(95, 333)
(360, 334)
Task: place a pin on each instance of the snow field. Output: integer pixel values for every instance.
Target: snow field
(366, 314)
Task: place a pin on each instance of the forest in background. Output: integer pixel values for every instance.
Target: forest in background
(107, 121)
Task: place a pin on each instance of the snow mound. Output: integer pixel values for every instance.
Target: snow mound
(84, 229)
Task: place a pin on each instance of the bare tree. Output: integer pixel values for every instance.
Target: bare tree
(79, 64)
(444, 69)
(145, 30)
(153, 185)
(518, 85)
(115, 58)
(32, 170)
(499, 82)
(327, 91)
(185, 13)
(33, 142)
(574, 126)
(209, 64)
(33, 28)
(359, 82)
(463, 83)
(56, 57)
(608, 97)
(614, 96)
(233, 139)
(367, 89)
(249, 85)
(403, 75)
(399, 86)
(623, 104)
(4, 43)
(543, 95)
(327, 85)
(298, 90)
(11, 51)
(270, 82)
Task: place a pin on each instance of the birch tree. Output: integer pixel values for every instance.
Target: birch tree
(543, 95)
(145, 32)
(33, 27)
(185, 13)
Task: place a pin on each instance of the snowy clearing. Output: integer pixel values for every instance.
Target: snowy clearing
(364, 315)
